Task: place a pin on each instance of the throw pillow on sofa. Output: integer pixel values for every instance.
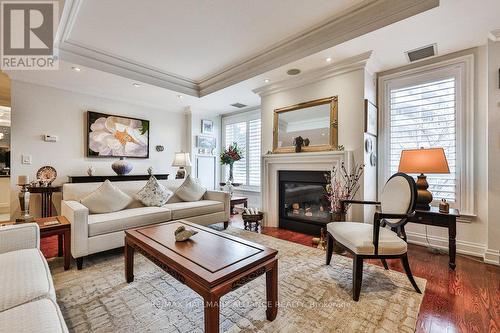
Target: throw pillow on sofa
(190, 190)
(106, 199)
(154, 193)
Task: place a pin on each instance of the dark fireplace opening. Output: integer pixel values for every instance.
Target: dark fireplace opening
(303, 205)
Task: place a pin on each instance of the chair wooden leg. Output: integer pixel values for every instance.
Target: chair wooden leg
(79, 263)
(384, 263)
(406, 266)
(329, 248)
(357, 277)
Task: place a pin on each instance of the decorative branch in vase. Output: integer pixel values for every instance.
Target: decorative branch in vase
(342, 185)
(229, 155)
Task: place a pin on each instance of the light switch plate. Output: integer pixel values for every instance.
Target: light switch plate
(26, 159)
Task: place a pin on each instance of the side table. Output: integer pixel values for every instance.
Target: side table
(238, 201)
(63, 231)
(46, 192)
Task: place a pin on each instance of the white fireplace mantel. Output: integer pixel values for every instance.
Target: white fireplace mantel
(272, 163)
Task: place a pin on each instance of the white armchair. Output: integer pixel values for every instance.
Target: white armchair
(19, 237)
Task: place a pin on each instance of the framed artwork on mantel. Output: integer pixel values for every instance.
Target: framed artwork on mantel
(371, 118)
(116, 136)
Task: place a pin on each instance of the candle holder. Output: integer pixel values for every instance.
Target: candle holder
(24, 201)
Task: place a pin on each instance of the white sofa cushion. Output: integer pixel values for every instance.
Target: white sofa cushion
(106, 199)
(190, 190)
(24, 276)
(153, 193)
(182, 210)
(358, 237)
(41, 316)
(125, 219)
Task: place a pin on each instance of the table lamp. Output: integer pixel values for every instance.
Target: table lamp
(181, 160)
(430, 160)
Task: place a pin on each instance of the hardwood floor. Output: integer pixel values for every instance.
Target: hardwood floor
(464, 300)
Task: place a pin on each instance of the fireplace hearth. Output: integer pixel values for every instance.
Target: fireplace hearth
(303, 205)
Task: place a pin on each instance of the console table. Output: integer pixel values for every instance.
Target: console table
(446, 220)
(115, 178)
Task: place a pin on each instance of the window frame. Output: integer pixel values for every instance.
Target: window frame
(246, 117)
(461, 69)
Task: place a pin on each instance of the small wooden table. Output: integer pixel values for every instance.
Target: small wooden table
(63, 231)
(447, 220)
(238, 201)
(211, 263)
(46, 192)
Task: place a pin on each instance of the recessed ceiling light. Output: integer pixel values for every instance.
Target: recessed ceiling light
(267, 81)
(76, 69)
(137, 85)
(293, 71)
(329, 59)
(179, 96)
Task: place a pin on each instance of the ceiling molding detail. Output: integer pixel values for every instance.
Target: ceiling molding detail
(495, 35)
(368, 16)
(341, 67)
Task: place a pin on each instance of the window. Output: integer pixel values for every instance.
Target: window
(430, 107)
(424, 115)
(244, 129)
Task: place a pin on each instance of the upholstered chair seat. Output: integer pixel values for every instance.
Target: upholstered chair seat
(358, 237)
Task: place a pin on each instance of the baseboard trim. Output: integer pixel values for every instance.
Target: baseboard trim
(492, 257)
(463, 247)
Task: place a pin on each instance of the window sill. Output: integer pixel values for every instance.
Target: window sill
(246, 189)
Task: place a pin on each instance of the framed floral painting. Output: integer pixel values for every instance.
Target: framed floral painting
(117, 136)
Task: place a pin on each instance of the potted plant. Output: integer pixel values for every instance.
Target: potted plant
(230, 155)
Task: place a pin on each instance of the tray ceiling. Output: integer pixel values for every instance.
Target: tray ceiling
(204, 46)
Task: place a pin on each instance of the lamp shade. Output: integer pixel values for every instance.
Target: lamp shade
(181, 160)
(432, 160)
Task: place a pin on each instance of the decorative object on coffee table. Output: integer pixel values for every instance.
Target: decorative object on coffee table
(252, 216)
(46, 175)
(181, 160)
(24, 199)
(182, 234)
(430, 160)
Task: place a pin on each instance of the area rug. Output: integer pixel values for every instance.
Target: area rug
(313, 297)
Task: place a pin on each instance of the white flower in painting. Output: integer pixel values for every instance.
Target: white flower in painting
(115, 136)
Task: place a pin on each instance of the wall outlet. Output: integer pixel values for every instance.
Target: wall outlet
(26, 159)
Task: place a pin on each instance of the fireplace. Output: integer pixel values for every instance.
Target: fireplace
(303, 205)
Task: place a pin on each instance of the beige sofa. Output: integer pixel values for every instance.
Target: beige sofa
(27, 296)
(92, 233)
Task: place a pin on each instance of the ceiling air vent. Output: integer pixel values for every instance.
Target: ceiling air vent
(421, 53)
(238, 105)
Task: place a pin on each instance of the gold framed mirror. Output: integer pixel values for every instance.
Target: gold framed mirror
(313, 123)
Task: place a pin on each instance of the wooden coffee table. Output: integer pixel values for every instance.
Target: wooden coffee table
(211, 263)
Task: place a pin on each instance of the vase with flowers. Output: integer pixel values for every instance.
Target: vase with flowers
(229, 155)
(342, 184)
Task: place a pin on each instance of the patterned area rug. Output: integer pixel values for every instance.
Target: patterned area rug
(313, 297)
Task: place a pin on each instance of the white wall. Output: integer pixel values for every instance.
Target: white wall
(492, 254)
(349, 87)
(38, 110)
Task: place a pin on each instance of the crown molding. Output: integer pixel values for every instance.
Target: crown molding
(315, 75)
(494, 35)
(368, 16)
